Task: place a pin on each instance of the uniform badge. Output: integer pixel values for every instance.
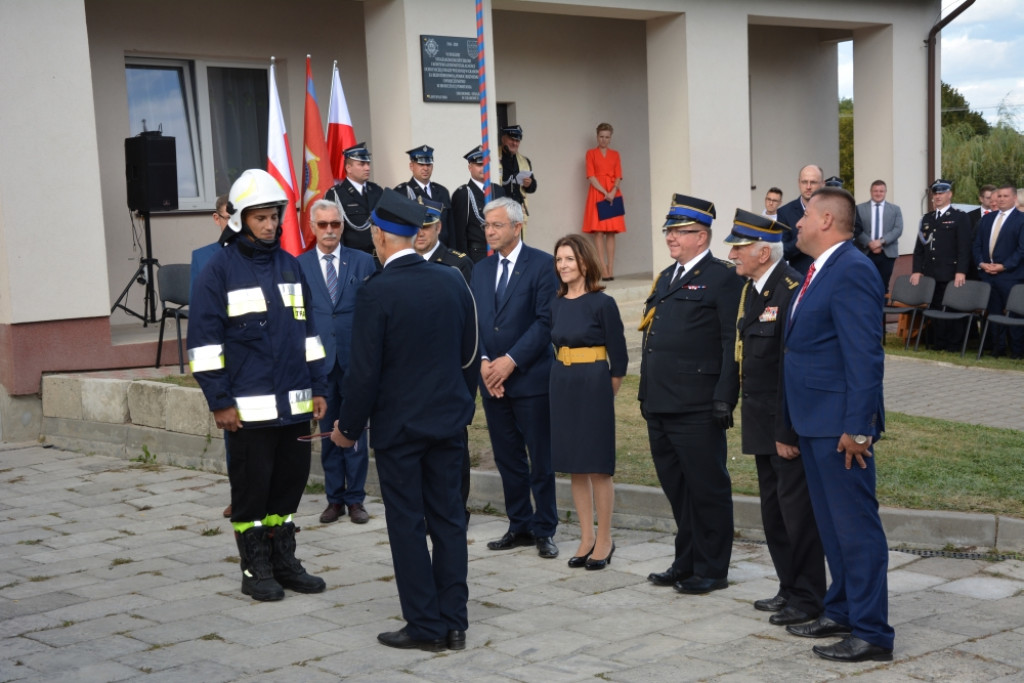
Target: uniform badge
(769, 315)
(695, 287)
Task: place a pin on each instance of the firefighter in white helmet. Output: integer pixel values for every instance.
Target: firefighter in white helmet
(259, 362)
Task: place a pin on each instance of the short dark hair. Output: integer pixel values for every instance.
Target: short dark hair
(605, 126)
(222, 201)
(879, 182)
(774, 190)
(586, 257)
(844, 207)
(1008, 186)
(986, 188)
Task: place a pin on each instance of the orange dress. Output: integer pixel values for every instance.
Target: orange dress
(607, 169)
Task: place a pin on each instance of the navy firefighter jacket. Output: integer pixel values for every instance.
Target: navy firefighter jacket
(250, 342)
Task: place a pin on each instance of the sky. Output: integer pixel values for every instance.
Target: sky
(982, 56)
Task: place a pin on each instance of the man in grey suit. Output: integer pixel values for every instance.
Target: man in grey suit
(883, 223)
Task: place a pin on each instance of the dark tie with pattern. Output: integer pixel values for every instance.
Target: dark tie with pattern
(878, 223)
(499, 293)
(332, 277)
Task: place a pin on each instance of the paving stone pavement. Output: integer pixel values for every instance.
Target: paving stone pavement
(114, 571)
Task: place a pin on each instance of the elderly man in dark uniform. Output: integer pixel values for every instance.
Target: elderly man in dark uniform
(356, 195)
(689, 384)
(467, 208)
(419, 412)
(512, 165)
(421, 163)
(786, 512)
(943, 251)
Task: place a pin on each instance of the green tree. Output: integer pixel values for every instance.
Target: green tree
(971, 160)
(846, 143)
(955, 109)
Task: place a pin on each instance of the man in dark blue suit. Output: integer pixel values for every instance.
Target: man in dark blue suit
(832, 375)
(514, 307)
(419, 410)
(810, 179)
(335, 273)
(1000, 262)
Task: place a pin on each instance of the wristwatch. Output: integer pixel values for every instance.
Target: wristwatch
(860, 439)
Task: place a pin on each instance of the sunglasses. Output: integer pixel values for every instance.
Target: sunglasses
(323, 224)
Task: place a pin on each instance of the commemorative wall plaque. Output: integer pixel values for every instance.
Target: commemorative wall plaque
(449, 68)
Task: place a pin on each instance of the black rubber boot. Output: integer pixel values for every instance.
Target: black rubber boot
(288, 571)
(257, 576)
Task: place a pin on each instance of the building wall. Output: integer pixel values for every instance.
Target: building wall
(325, 29)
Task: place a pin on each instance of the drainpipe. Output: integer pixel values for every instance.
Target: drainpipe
(933, 85)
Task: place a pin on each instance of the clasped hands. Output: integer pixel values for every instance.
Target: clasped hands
(494, 373)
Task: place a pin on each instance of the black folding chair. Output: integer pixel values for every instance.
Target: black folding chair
(967, 302)
(1014, 307)
(173, 281)
(914, 299)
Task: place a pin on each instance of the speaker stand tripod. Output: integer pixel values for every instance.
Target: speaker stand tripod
(143, 275)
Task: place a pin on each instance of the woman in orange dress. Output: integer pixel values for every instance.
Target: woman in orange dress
(604, 171)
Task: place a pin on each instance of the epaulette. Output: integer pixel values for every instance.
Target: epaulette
(728, 264)
(790, 282)
(459, 254)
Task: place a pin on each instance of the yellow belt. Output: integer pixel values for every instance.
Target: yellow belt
(583, 354)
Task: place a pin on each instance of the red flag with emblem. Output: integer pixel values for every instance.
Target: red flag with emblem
(316, 171)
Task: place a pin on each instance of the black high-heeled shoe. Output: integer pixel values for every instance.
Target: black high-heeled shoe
(594, 565)
(581, 560)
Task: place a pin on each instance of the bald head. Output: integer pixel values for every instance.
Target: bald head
(810, 179)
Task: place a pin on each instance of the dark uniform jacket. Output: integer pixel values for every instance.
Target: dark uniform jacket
(467, 219)
(943, 246)
(455, 259)
(251, 343)
(689, 344)
(760, 329)
(439, 193)
(408, 399)
(511, 164)
(355, 211)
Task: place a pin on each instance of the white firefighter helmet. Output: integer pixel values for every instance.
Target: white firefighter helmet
(255, 188)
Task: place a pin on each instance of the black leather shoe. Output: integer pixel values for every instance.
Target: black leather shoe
(696, 585)
(403, 641)
(770, 604)
(456, 640)
(594, 565)
(578, 561)
(822, 627)
(511, 539)
(789, 615)
(853, 649)
(546, 548)
(667, 578)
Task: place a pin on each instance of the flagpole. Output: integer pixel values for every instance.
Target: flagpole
(482, 68)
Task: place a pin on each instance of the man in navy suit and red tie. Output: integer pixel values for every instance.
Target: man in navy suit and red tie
(832, 376)
(999, 254)
(335, 273)
(514, 288)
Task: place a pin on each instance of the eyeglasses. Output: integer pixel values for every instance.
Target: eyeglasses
(678, 231)
(496, 226)
(222, 216)
(323, 224)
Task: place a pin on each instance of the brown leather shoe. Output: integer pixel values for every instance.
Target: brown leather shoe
(358, 513)
(332, 512)
(227, 512)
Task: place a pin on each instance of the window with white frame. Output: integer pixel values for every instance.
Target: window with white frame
(216, 112)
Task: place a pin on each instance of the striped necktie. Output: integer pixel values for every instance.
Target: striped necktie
(332, 277)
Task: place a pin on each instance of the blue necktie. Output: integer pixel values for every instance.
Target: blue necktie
(332, 278)
(878, 224)
(499, 294)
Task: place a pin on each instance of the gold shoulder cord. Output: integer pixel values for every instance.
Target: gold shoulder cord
(739, 337)
(645, 322)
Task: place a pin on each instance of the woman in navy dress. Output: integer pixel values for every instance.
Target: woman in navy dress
(587, 333)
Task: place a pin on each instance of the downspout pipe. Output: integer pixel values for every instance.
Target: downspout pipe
(933, 85)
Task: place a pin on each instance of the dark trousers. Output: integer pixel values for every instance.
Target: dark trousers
(689, 453)
(791, 533)
(419, 483)
(884, 264)
(268, 471)
(344, 468)
(947, 335)
(851, 532)
(520, 430)
(1001, 286)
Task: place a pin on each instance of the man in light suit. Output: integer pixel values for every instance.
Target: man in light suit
(335, 273)
(999, 254)
(832, 375)
(884, 223)
(513, 302)
(410, 310)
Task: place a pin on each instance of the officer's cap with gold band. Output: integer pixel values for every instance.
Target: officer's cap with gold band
(515, 132)
(475, 155)
(358, 153)
(397, 214)
(686, 210)
(748, 228)
(433, 208)
(424, 154)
